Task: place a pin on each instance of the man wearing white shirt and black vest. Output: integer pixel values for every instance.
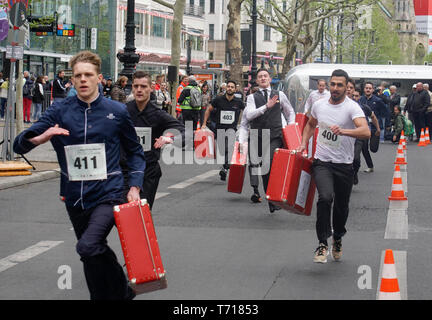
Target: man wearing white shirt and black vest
(340, 121)
(266, 109)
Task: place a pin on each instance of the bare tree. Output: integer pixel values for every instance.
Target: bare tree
(234, 40)
(178, 8)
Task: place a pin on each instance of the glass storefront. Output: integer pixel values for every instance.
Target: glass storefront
(85, 15)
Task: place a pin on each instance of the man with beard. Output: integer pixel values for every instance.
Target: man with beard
(152, 126)
(340, 121)
(226, 109)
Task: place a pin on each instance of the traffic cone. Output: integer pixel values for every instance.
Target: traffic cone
(402, 140)
(397, 192)
(422, 142)
(427, 137)
(389, 288)
(198, 126)
(400, 157)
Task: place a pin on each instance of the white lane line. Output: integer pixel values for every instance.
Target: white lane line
(161, 195)
(397, 224)
(27, 254)
(193, 180)
(400, 258)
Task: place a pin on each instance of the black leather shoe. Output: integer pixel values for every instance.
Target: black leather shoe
(222, 174)
(273, 208)
(256, 198)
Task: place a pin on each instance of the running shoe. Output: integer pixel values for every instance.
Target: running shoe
(337, 249)
(256, 198)
(369, 170)
(321, 253)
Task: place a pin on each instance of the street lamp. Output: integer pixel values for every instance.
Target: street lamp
(254, 39)
(128, 57)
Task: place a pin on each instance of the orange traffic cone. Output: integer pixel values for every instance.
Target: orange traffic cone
(397, 192)
(198, 126)
(402, 140)
(400, 157)
(427, 137)
(422, 142)
(389, 288)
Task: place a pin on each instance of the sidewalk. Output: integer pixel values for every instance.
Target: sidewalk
(43, 158)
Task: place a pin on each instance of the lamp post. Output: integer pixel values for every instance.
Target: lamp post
(254, 39)
(128, 57)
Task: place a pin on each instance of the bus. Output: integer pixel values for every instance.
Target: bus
(302, 79)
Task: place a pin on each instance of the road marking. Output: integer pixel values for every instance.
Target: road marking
(397, 224)
(161, 194)
(26, 254)
(193, 180)
(400, 258)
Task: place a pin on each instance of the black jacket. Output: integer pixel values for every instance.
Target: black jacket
(59, 90)
(421, 102)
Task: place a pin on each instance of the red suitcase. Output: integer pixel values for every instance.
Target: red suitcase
(292, 136)
(237, 167)
(301, 119)
(204, 143)
(312, 144)
(140, 246)
(291, 185)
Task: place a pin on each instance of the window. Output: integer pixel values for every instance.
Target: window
(284, 6)
(223, 6)
(267, 5)
(158, 27)
(139, 28)
(202, 5)
(211, 55)
(211, 31)
(191, 2)
(212, 6)
(267, 33)
(168, 28)
(222, 32)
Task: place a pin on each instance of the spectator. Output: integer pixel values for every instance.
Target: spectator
(163, 98)
(206, 99)
(60, 87)
(222, 89)
(27, 96)
(421, 102)
(3, 97)
(118, 93)
(183, 84)
(376, 104)
(190, 111)
(428, 114)
(38, 98)
(108, 88)
(399, 122)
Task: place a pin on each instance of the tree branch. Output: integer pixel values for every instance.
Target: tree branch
(165, 4)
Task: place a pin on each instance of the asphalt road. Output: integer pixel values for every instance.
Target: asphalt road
(219, 245)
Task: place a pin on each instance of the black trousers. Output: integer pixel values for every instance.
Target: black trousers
(104, 275)
(334, 183)
(152, 175)
(419, 123)
(361, 146)
(191, 115)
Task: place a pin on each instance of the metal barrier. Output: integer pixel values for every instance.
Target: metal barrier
(47, 101)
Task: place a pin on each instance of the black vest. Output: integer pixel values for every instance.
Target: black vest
(271, 119)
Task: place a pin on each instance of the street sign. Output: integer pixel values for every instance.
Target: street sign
(83, 38)
(93, 42)
(66, 30)
(14, 52)
(18, 14)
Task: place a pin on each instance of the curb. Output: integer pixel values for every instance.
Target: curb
(34, 177)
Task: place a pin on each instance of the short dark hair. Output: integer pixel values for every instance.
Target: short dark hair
(263, 69)
(232, 81)
(351, 80)
(340, 73)
(398, 107)
(141, 74)
(368, 82)
(321, 80)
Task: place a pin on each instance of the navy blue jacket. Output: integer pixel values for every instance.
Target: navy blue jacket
(376, 104)
(103, 121)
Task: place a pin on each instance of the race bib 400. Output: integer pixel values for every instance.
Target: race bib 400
(327, 137)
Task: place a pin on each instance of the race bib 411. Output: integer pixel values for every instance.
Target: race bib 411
(86, 162)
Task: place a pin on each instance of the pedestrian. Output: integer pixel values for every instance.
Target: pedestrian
(399, 124)
(87, 131)
(428, 113)
(376, 104)
(4, 87)
(60, 86)
(340, 122)
(361, 146)
(152, 125)
(183, 84)
(108, 88)
(38, 98)
(407, 111)
(206, 100)
(27, 96)
(190, 101)
(222, 89)
(320, 93)
(117, 92)
(420, 103)
(238, 94)
(227, 110)
(163, 98)
(266, 109)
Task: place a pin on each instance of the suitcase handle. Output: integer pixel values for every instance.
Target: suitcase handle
(148, 240)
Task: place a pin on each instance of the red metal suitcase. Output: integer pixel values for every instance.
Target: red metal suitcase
(291, 185)
(301, 119)
(237, 167)
(204, 143)
(292, 136)
(312, 144)
(140, 246)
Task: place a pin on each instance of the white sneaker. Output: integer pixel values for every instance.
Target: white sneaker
(369, 170)
(321, 253)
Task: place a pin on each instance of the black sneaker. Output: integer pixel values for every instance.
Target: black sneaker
(256, 198)
(223, 174)
(273, 207)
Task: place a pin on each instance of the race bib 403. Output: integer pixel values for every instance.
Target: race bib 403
(86, 162)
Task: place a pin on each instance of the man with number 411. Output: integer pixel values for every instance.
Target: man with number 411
(340, 121)
(87, 132)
